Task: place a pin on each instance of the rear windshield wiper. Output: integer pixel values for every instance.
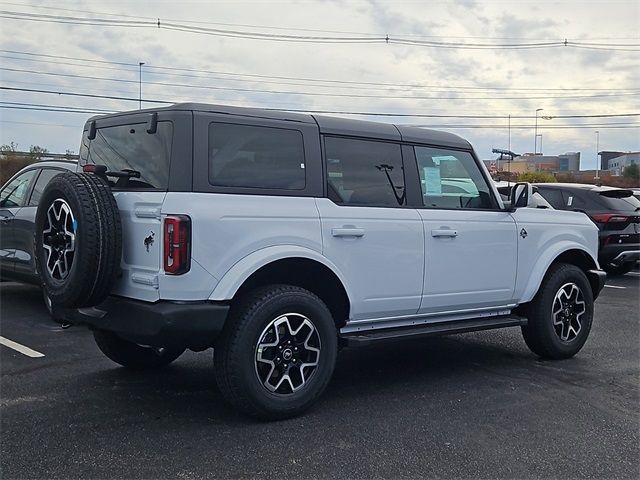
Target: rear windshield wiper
(102, 170)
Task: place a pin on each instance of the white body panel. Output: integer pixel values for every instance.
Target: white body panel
(383, 268)
(140, 217)
(473, 269)
(228, 228)
(548, 234)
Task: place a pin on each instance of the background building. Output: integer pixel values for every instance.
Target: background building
(567, 162)
(616, 164)
(607, 155)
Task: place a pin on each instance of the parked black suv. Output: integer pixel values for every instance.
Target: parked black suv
(615, 211)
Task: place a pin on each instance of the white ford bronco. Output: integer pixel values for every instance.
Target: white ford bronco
(277, 238)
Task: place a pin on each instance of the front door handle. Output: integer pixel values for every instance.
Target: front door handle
(444, 232)
(4, 219)
(347, 232)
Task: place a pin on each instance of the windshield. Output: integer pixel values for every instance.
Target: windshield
(130, 147)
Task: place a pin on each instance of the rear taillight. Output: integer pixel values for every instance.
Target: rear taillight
(610, 218)
(177, 244)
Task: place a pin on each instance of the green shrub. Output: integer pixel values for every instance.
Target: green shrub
(537, 177)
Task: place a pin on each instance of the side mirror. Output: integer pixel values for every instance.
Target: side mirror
(521, 195)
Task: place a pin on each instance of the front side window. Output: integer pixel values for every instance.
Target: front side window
(451, 180)
(362, 172)
(130, 149)
(15, 192)
(256, 157)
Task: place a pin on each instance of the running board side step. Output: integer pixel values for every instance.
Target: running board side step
(437, 328)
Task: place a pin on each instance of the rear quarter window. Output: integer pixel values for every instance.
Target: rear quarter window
(256, 157)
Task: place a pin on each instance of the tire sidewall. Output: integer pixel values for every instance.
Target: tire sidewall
(319, 315)
(55, 289)
(570, 274)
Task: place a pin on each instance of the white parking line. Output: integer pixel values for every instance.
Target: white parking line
(614, 286)
(20, 348)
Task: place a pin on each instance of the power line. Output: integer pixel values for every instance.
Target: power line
(307, 79)
(60, 109)
(318, 94)
(335, 112)
(325, 39)
(270, 27)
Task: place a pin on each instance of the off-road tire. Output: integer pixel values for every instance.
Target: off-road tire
(235, 351)
(98, 240)
(539, 333)
(619, 269)
(133, 355)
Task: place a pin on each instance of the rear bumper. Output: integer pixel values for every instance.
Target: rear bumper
(178, 324)
(619, 253)
(597, 279)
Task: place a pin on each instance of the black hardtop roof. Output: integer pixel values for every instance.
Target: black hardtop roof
(329, 125)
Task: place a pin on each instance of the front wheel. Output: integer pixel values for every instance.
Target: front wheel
(560, 315)
(133, 355)
(277, 352)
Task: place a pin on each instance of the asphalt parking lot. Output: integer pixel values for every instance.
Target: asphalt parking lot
(476, 405)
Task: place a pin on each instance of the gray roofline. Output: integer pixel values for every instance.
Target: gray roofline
(327, 124)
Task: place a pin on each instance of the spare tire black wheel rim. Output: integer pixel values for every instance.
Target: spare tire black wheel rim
(287, 353)
(59, 239)
(567, 310)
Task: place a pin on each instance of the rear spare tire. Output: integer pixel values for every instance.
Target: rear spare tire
(78, 241)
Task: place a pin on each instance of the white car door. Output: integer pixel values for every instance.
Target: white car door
(470, 243)
(367, 230)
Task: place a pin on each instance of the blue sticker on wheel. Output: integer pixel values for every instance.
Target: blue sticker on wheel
(74, 225)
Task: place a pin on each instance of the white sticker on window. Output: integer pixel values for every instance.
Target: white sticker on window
(569, 201)
(433, 185)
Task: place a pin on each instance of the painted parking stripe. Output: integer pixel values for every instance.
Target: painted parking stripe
(20, 348)
(614, 286)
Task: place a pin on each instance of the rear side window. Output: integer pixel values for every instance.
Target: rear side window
(256, 157)
(362, 172)
(451, 179)
(43, 180)
(130, 148)
(553, 196)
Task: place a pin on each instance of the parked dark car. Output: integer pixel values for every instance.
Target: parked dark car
(616, 212)
(18, 204)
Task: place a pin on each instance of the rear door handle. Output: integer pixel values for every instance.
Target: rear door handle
(347, 232)
(444, 233)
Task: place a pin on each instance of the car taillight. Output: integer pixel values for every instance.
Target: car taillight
(177, 244)
(610, 218)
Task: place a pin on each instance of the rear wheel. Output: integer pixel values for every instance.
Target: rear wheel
(277, 352)
(560, 315)
(612, 269)
(133, 355)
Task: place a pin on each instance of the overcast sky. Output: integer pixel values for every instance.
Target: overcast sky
(424, 80)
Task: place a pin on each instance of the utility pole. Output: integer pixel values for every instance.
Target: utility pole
(140, 86)
(597, 150)
(535, 141)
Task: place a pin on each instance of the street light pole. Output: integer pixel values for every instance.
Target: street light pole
(140, 86)
(597, 154)
(541, 149)
(535, 144)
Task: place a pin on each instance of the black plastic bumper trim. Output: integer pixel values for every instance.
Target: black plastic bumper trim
(163, 323)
